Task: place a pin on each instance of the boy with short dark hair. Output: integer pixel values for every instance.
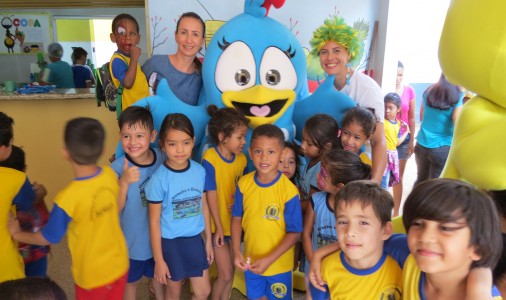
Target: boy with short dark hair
(124, 64)
(88, 209)
(267, 208)
(361, 268)
(15, 189)
(83, 75)
(134, 169)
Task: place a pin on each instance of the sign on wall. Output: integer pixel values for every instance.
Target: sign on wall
(25, 32)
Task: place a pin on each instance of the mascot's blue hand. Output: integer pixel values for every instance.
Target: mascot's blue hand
(325, 100)
(254, 8)
(166, 102)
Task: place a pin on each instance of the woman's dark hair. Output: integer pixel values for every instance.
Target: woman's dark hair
(322, 129)
(190, 14)
(442, 95)
(448, 200)
(224, 120)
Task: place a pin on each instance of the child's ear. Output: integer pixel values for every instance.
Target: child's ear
(66, 155)
(475, 256)
(327, 146)
(153, 136)
(387, 231)
(221, 137)
(113, 38)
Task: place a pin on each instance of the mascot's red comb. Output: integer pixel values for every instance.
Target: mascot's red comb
(267, 4)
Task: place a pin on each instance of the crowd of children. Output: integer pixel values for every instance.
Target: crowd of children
(156, 213)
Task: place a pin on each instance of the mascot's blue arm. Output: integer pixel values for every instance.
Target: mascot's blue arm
(325, 100)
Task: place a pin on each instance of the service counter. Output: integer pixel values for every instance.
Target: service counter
(39, 120)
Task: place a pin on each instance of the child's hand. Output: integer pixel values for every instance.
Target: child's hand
(240, 263)
(130, 175)
(209, 252)
(135, 51)
(259, 266)
(40, 191)
(13, 224)
(314, 275)
(161, 272)
(479, 283)
(219, 239)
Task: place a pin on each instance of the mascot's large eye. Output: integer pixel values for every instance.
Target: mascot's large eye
(242, 77)
(277, 71)
(235, 69)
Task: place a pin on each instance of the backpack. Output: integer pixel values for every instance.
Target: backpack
(106, 91)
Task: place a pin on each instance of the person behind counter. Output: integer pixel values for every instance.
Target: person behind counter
(83, 75)
(58, 72)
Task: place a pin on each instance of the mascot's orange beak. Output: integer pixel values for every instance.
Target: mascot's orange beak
(259, 104)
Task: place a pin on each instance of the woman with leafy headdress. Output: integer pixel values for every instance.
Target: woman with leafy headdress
(338, 45)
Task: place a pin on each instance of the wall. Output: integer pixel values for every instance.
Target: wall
(17, 66)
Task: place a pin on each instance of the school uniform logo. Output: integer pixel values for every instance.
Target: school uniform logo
(391, 292)
(272, 212)
(278, 290)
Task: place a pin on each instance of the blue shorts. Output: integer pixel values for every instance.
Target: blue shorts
(274, 287)
(226, 240)
(185, 256)
(402, 149)
(139, 268)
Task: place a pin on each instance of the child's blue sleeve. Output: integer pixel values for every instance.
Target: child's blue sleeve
(25, 196)
(316, 294)
(118, 164)
(210, 181)
(119, 69)
(397, 247)
(237, 209)
(154, 190)
(293, 215)
(56, 225)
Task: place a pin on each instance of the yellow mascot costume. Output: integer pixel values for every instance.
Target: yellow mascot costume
(472, 54)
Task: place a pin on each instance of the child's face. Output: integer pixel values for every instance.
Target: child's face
(189, 37)
(126, 35)
(135, 140)
(353, 137)
(236, 141)
(287, 162)
(265, 152)
(309, 149)
(441, 247)
(391, 111)
(178, 146)
(360, 234)
(5, 151)
(325, 182)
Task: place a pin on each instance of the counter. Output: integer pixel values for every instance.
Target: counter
(39, 120)
(55, 94)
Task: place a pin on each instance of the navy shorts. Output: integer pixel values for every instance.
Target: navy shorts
(139, 268)
(185, 256)
(274, 287)
(402, 149)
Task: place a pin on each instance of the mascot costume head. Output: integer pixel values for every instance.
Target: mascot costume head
(256, 65)
(478, 149)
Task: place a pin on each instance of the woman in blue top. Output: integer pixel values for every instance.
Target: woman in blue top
(181, 69)
(441, 105)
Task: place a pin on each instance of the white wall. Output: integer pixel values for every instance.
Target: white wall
(17, 66)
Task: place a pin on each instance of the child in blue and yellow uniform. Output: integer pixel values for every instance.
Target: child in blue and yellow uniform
(178, 213)
(14, 190)
(225, 163)
(88, 209)
(361, 269)
(134, 169)
(453, 230)
(124, 63)
(267, 208)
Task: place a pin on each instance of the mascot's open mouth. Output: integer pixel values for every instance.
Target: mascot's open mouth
(266, 110)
